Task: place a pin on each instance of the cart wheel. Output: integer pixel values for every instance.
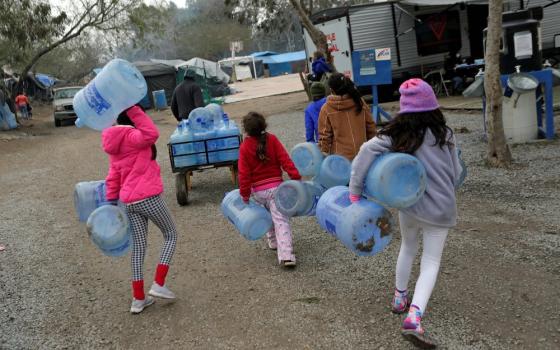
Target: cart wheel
(234, 172)
(181, 189)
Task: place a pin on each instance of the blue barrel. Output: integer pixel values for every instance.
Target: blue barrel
(297, 198)
(365, 227)
(396, 180)
(117, 87)
(307, 158)
(334, 171)
(251, 220)
(160, 101)
(109, 229)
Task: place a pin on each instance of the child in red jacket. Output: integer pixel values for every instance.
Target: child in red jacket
(134, 179)
(261, 160)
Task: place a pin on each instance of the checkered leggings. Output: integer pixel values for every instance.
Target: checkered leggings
(155, 209)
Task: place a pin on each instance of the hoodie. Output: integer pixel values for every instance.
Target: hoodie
(312, 120)
(342, 130)
(320, 67)
(133, 174)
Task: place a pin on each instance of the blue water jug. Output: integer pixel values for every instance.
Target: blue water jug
(396, 180)
(205, 145)
(183, 152)
(334, 171)
(463, 172)
(117, 87)
(307, 158)
(230, 144)
(201, 119)
(297, 198)
(217, 114)
(365, 227)
(89, 196)
(109, 229)
(251, 220)
(160, 101)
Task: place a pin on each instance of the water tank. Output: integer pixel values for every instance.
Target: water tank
(519, 108)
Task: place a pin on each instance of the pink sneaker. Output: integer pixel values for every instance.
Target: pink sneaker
(400, 302)
(413, 332)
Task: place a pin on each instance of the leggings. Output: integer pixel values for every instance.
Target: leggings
(155, 209)
(434, 241)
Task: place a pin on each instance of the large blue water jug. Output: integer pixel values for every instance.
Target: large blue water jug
(463, 172)
(365, 227)
(117, 87)
(160, 101)
(307, 158)
(229, 144)
(205, 145)
(201, 119)
(109, 229)
(251, 220)
(396, 180)
(89, 196)
(297, 198)
(183, 152)
(334, 171)
(217, 114)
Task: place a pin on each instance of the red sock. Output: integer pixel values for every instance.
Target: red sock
(138, 290)
(161, 272)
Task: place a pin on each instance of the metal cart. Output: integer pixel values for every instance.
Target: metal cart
(184, 173)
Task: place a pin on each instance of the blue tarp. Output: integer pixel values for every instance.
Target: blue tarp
(263, 53)
(284, 63)
(46, 80)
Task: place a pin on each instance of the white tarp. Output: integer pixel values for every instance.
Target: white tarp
(173, 63)
(212, 68)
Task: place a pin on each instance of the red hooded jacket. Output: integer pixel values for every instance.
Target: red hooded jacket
(254, 173)
(133, 174)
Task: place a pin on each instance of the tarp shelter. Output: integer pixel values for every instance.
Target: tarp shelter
(211, 69)
(253, 63)
(158, 77)
(209, 76)
(284, 63)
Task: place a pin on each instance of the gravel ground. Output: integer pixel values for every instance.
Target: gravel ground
(498, 287)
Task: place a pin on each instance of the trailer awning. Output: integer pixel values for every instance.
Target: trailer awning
(440, 2)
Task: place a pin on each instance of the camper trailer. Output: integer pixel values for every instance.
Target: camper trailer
(420, 33)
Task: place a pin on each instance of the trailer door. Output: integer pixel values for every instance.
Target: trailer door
(338, 38)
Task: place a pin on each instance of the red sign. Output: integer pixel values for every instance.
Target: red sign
(437, 24)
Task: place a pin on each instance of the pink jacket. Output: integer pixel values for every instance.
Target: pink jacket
(133, 175)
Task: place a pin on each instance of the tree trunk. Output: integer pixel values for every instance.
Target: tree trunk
(318, 38)
(498, 153)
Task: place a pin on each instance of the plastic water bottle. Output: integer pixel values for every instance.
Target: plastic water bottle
(365, 227)
(307, 158)
(89, 196)
(229, 145)
(199, 119)
(217, 114)
(297, 198)
(463, 172)
(117, 87)
(251, 220)
(334, 171)
(201, 146)
(396, 180)
(183, 152)
(109, 229)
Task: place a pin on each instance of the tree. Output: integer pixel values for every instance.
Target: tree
(33, 28)
(498, 152)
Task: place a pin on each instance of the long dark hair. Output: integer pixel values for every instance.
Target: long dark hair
(255, 125)
(342, 85)
(407, 130)
(124, 119)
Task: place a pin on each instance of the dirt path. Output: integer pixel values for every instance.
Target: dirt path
(499, 286)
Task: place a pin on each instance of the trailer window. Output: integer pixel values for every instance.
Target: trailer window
(438, 33)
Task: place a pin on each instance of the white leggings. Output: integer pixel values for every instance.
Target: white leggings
(434, 241)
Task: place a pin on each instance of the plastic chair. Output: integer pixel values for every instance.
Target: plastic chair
(436, 80)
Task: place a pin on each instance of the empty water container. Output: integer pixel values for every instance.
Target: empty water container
(201, 119)
(217, 114)
(89, 196)
(297, 198)
(117, 87)
(334, 171)
(307, 158)
(109, 229)
(365, 227)
(396, 180)
(251, 220)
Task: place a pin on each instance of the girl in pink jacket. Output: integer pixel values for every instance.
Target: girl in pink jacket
(134, 179)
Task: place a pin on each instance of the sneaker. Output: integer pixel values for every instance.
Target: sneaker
(161, 292)
(288, 263)
(400, 303)
(139, 305)
(413, 332)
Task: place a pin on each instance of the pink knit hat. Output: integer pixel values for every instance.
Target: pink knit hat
(417, 96)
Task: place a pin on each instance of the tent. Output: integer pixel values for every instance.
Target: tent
(211, 69)
(158, 76)
(284, 63)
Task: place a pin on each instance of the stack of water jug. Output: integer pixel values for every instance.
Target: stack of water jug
(207, 137)
(394, 180)
(107, 224)
(117, 87)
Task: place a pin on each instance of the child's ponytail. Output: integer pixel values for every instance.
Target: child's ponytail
(255, 125)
